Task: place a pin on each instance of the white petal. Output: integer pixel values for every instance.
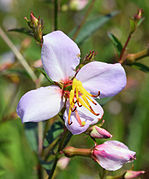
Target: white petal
(60, 56)
(109, 79)
(40, 104)
(85, 115)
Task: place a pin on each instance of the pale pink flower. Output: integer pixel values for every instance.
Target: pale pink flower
(76, 90)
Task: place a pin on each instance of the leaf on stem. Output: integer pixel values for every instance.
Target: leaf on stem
(22, 30)
(117, 44)
(41, 70)
(92, 26)
(54, 132)
(141, 67)
(31, 134)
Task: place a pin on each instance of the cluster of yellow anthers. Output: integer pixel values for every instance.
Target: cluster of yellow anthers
(79, 95)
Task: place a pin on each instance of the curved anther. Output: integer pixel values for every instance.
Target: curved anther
(96, 114)
(78, 94)
(96, 95)
(70, 122)
(75, 107)
(80, 105)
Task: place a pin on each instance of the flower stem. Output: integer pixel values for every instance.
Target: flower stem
(72, 151)
(40, 147)
(137, 56)
(121, 59)
(40, 138)
(61, 144)
(19, 56)
(84, 19)
(55, 14)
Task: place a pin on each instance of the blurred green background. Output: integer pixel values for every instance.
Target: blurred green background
(126, 115)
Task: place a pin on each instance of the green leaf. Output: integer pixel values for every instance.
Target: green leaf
(41, 70)
(47, 165)
(31, 132)
(116, 43)
(22, 30)
(92, 26)
(15, 153)
(141, 67)
(54, 132)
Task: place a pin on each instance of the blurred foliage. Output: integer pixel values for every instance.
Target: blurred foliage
(126, 115)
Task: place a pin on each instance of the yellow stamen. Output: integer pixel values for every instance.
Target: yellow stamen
(80, 95)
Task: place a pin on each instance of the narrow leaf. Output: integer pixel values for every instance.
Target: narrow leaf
(41, 70)
(55, 131)
(22, 30)
(91, 26)
(116, 43)
(141, 67)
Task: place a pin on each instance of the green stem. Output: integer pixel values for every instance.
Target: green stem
(40, 147)
(131, 58)
(58, 151)
(121, 60)
(19, 56)
(40, 138)
(84, 19)
(55, 14)
(72, 151)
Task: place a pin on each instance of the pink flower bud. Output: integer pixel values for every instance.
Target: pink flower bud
(63, 162)
(97, 132)
(112, 155)
(133, 174)
(78, 4)
(34, 20)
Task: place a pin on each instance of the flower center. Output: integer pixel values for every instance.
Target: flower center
(78, 94)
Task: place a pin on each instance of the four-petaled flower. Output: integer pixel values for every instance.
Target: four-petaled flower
(60, 57)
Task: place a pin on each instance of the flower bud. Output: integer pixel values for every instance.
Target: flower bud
(78, 4)
(98, 132)
(112, 155)
(63, 162)
(36, 25)
(139, 14)
(133, 174)
(136, 20)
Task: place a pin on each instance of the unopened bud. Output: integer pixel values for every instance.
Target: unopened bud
(34, 20)
(98, 132)
(78, 4)
(90, 56)
(133, 174)
(112, 155)
(136, 20)
(63, 162)
(139, 14)
(36, 24)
